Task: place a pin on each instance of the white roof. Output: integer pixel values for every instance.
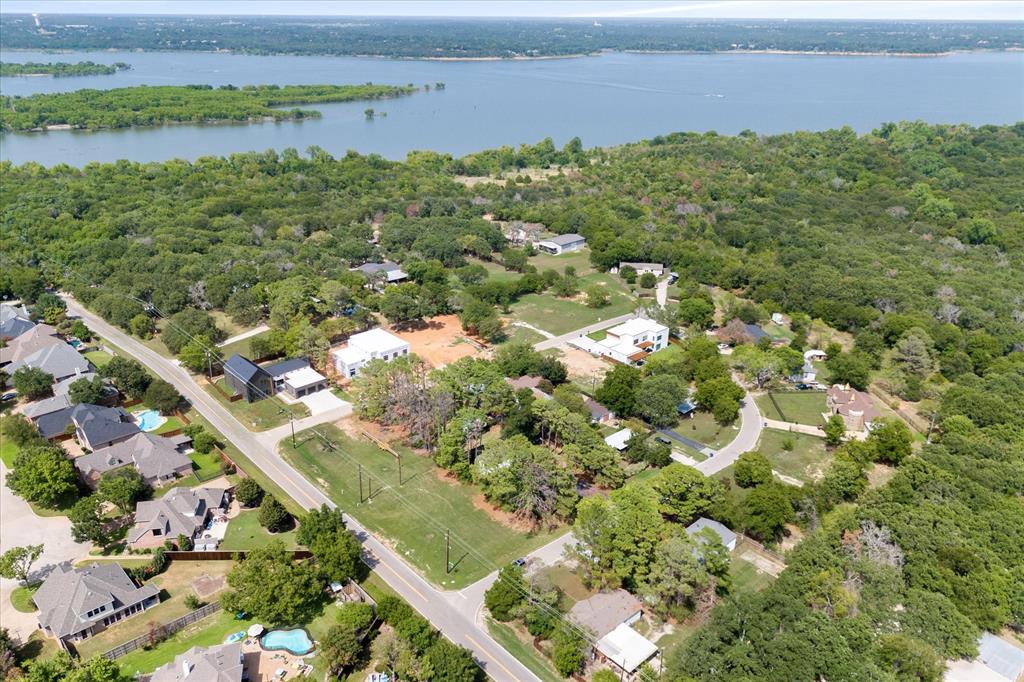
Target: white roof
(377, 340)
(638, 325)
(619, 439)
(349, 355)
(623, 346)
(813, 353)
(626, 647)
(303, 377)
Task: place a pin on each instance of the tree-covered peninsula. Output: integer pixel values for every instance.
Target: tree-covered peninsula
(149, 106)
(61, 69)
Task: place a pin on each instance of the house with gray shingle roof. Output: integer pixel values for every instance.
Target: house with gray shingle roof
(727, 537)
(223, 663)
(14, 321)
(76, 603)
(158, 460)
(182, 511)
(94, 426)
(562, 243)
(39, 337)
(387, 270)
(60, 361)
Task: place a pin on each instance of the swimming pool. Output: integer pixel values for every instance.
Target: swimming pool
(149, 420)
(295, 641)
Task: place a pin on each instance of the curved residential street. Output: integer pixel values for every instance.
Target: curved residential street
(442, 609)
(22, 527)
(746, 440)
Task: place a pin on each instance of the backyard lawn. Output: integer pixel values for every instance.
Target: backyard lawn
(577, 259)
(174, 584)
(241, 347)
(746, 579)
(515, 334)
(99, 358)
(205, 467)
(171, 424)
(414, 522)
(259, 415)
(799, 407)
(203, 633)
(245, 532)
(805, 460)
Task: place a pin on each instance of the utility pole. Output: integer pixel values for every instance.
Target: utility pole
(291, 420)
(360, 484)
(399, 469)
(209, 366)
(447, 550)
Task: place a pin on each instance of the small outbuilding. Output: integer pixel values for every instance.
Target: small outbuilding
(727, 537)
(563, 243)
(620, 439)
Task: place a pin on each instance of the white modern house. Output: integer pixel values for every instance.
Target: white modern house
(563, 243)
(375, 344)
(631, 341)
(642, 268)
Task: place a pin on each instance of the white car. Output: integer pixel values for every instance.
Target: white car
(724, 346)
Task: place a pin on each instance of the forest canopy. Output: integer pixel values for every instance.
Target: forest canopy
(60, 69)
(466, 38)
(145, 105)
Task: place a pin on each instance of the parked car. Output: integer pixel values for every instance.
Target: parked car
(9, 396)
(520, 562)
(803, 387)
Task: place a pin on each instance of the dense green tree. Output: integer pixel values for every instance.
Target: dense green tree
(16, 563)
(273, 516)
(249, 493)
(835, 430)
(32, 383)
(618, 391)
(569, 649)
(891, 439)
(658, 397)
(685, 493)
(340, 648)
(752, 469)
(127, 375)
(88, 522)
(272, 587)
(447, 661)
(44, 475)
(162, 396)
(123, 488)
(90, 391)
(766, 510)
(506, 594)
(186, 325)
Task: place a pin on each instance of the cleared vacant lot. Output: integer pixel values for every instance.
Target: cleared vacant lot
(799, 407)
(414, 516)
(805, 459)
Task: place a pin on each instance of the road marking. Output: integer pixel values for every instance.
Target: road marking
(491, 658)
(400, 577)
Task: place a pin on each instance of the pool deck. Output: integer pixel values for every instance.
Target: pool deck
(261, 665)
(160, 420)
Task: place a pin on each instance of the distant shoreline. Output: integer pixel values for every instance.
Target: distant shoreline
(521, 58)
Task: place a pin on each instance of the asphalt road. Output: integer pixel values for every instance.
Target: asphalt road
(745, 440)
(445, 610)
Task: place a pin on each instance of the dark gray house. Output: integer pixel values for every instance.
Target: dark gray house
(247, 379)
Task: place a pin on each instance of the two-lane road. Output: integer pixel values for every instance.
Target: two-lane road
(432, 603)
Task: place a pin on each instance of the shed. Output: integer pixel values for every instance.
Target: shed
(626, 648)
(727, 536)
(619, 440)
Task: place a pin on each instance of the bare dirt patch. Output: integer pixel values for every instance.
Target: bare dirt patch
(440, 341)
(792, 537)
(583, 367)
(879, 475)
(208, 585)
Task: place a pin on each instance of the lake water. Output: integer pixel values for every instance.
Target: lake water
(605, 100)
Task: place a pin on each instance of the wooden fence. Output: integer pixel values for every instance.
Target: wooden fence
(223, 555)
(916, 421)
(162, 631)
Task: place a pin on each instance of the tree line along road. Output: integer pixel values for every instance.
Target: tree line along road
(433, 604)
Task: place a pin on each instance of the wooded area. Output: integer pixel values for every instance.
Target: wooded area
(154, 105)
(468, 38)
(60, 69)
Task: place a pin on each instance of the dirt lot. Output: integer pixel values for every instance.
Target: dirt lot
(583, 367)
(440, 342)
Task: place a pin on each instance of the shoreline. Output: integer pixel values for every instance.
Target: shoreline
(523, 58)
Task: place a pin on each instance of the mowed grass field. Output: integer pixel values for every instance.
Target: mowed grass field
(806, 460)
(245, 532)
(259, 415)
(562, 315)
(799, 407)
(412, 517)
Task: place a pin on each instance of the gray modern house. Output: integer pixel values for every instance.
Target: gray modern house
(247, 379)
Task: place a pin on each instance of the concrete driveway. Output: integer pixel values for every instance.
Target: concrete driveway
(323, 401)
(19, 526)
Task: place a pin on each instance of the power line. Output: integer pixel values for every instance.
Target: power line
(525, 592)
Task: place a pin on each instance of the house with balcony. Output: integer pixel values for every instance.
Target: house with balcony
(375, 344)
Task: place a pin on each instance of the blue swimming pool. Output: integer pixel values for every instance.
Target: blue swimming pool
(149, 420)
(295, 641)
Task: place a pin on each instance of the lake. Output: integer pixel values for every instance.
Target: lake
(605, 100)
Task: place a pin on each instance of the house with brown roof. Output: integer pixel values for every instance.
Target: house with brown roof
(35, 339)
(182, 511)
(855, 407)
(76, 603)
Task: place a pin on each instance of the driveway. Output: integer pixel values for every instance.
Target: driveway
(19, 526)
(745, 441)
(688, 442)
(556, 341)
(323, 401)
(429, 601)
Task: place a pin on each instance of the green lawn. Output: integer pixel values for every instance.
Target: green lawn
(805, 461)
(703, 428)
(573, 589)
(260, 415)
(514, 334)
(205, 467)
(206, 632)
(746, 579)
(99, 358)
(38, 647)
(241, 347)
(8, 451)
(495, 271)
(523, 651)
(415, 517)
(577, 259)
(561, 315)
(599, 335)
(174, 584)
(799, 407)
(21, 598)
(244, 463)
(675, 639)
(171, 424)
(245, 532)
